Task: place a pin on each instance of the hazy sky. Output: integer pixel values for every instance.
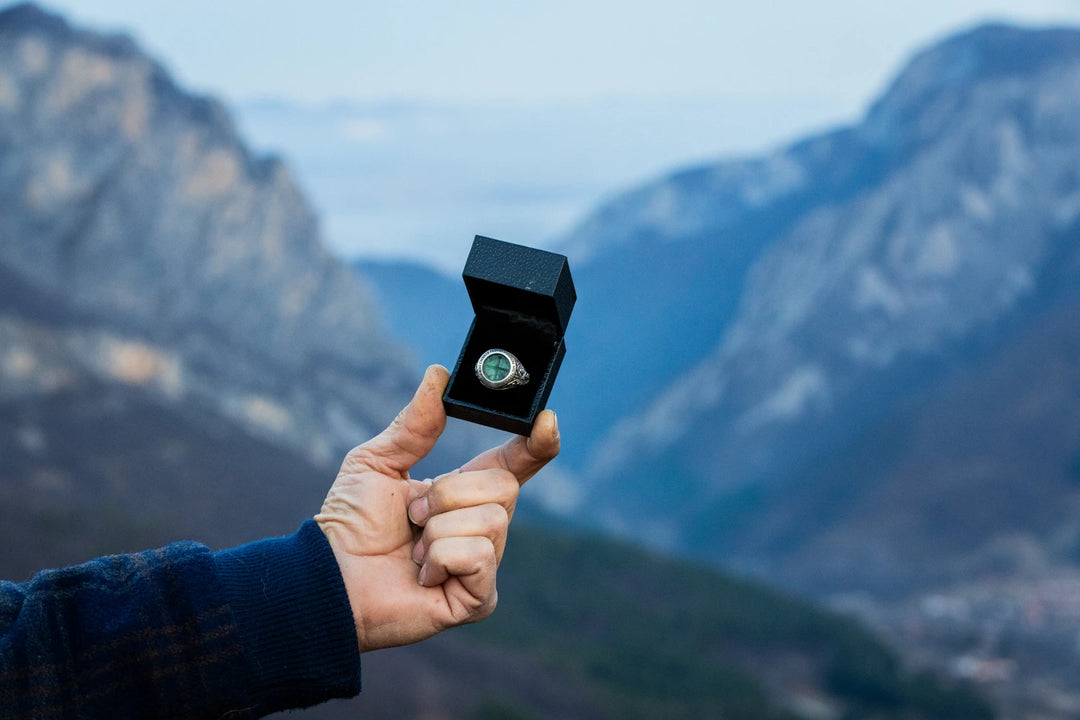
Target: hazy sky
(553, 49)
(524, 114)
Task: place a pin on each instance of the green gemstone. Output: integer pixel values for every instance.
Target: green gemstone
(496, 367)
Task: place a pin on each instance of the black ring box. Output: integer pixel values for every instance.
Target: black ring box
(522, 299)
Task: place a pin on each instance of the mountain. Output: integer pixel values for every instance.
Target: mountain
(587, 627)
(428, 310)
(179, 357)
(953, 519)
(99, 468)
(849, 367)
(973, 477)
(225, 298)
(746, 330)
(877, 262)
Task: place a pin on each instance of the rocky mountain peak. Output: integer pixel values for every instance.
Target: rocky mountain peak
(917, 239)
(137, 205)
(935, 84)
(29, 18)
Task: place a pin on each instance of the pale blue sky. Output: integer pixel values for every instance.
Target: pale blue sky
(554, 49)
(514, 119)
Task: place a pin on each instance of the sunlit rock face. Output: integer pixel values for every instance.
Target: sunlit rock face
(195, 269)
(820, 290)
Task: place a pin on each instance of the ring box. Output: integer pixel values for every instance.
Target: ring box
(522, 299)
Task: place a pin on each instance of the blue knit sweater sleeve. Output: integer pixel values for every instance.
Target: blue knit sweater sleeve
(180, 632)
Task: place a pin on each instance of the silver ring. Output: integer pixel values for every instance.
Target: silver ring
(499, 370)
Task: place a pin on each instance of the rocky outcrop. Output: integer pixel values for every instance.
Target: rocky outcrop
(196, 268)
(878, 260)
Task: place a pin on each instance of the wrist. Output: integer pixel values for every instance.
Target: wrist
(344, 561)
(294, 617)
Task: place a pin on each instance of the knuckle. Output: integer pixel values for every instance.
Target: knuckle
(479, 556)
(499, 486)
(436, 551)
(491, 557)
(506, 478)
(487, 608)
(436, 497)
(509, 486)
(428, 538)
(358, 456)
(434, 527)
(494, 516)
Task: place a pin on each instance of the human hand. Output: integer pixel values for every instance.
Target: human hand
(419, 557)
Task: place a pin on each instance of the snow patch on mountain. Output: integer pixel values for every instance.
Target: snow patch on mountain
(805, 388)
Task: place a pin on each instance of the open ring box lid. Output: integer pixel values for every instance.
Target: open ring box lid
(522, 299)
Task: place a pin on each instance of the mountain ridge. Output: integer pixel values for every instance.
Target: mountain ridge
(114, 160)
(726, 216)
(156, 370)
(822, 318)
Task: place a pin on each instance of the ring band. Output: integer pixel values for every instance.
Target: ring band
(499, 370)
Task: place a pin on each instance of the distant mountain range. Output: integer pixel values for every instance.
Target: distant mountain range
(742, 326)
(180, 357)
(849, 365)
(743, 323)
(876, 263)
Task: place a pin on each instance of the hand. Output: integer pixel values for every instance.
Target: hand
(419, 557)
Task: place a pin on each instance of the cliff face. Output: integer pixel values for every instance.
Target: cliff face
(789, 306)
(195, 268)
(175, 349)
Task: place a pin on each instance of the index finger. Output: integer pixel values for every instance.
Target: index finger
(524, 457)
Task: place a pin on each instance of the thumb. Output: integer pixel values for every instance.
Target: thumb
(414, 431)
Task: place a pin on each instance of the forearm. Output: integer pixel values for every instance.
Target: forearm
(180, 633)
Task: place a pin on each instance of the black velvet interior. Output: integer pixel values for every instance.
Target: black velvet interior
(534, 343)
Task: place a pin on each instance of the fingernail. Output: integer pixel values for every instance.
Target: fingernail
(419, 510)
(418, 551)
(421, 578)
